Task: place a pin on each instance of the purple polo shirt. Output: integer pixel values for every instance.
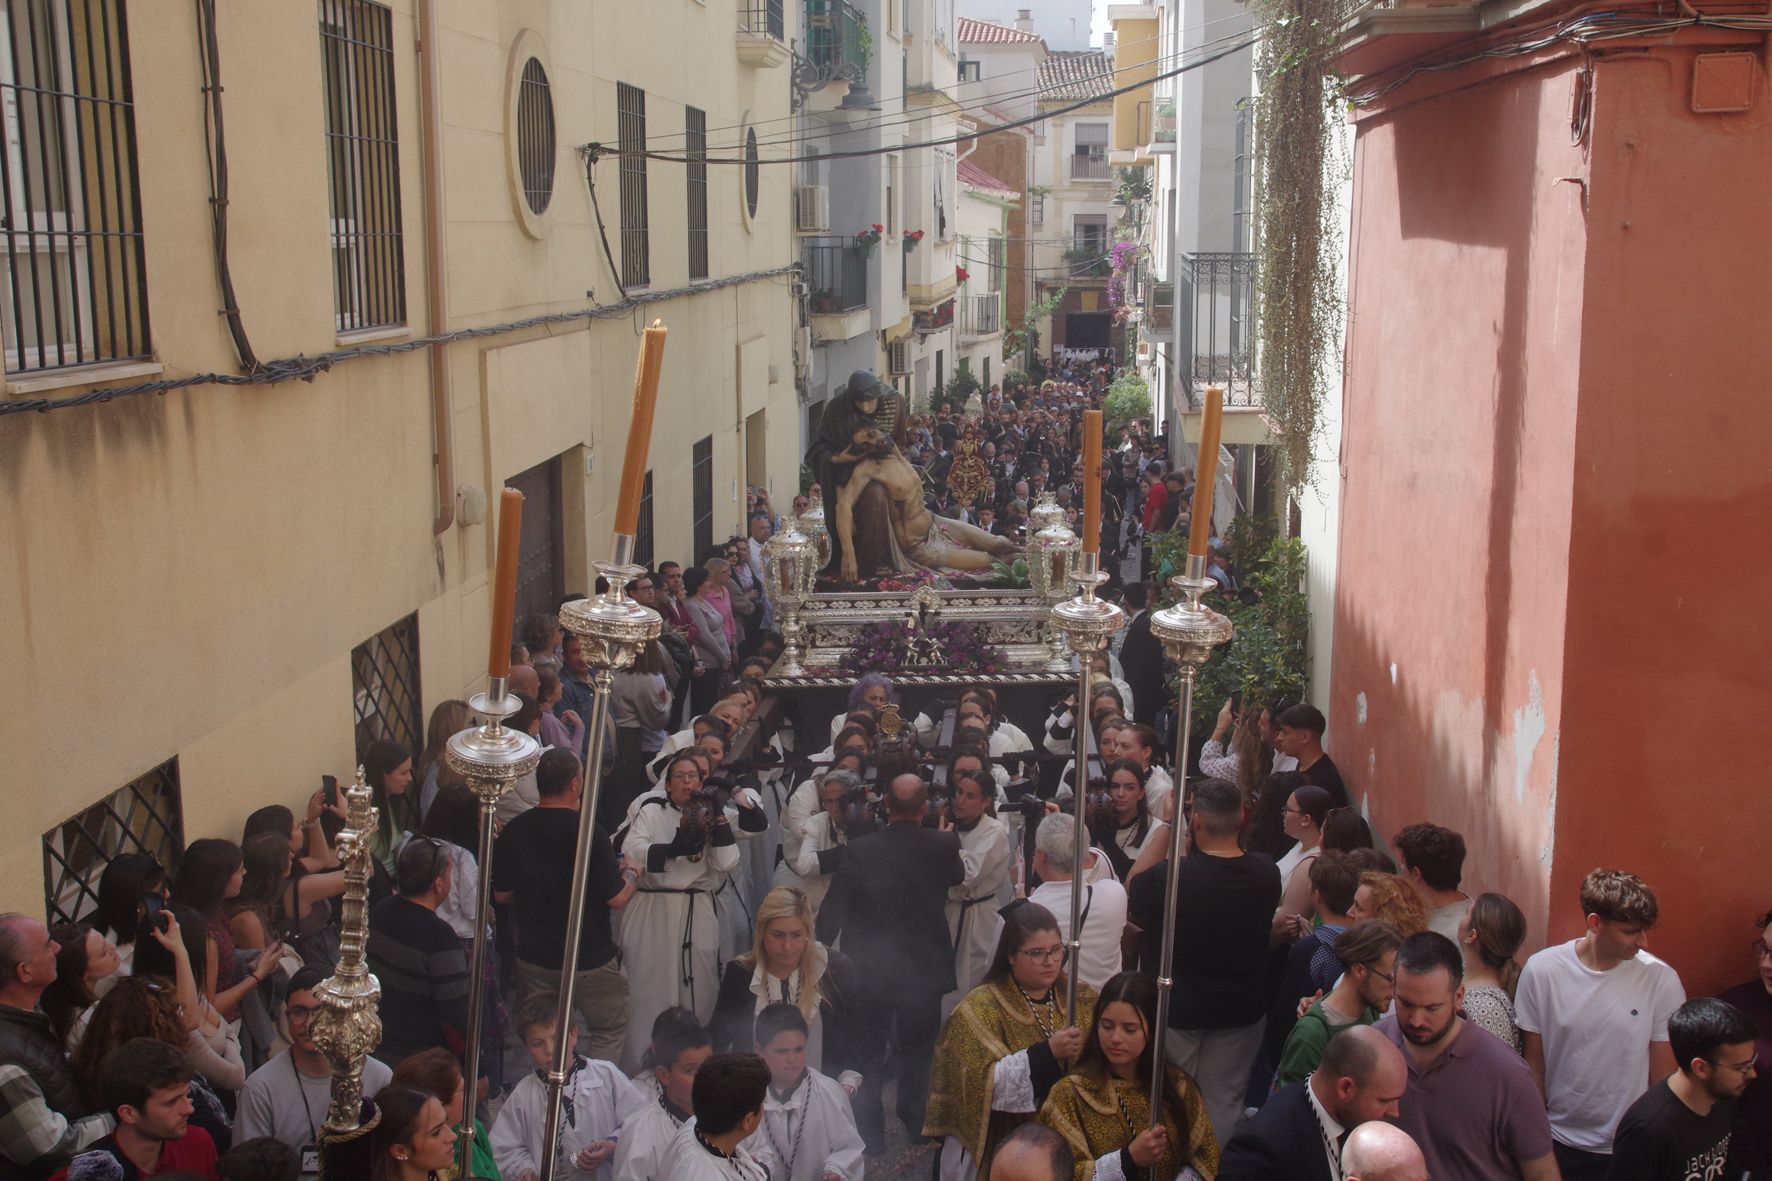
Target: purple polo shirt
(1475, 1111)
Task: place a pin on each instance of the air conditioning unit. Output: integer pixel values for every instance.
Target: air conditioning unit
(898, 359)
(812, 209)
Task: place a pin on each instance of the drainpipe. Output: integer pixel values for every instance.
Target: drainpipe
(436, 305)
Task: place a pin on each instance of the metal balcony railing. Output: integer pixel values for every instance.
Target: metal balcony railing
(1217, 304)
(836, 273)
(837, 39)
(981, 314)
(766, 18)
(1090, 168)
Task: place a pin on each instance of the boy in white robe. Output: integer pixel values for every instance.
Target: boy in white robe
(595, 1102)
(728, 1098)
(680, 1044)
(808, 1131)
(973, 922)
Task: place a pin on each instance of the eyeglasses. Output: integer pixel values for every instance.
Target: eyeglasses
(1384, 976)
(1292, 812)
(301, 1012)
(1760, 950)
(1044, 955)
(1743, 1068)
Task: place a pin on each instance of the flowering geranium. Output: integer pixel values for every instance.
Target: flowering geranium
(884, 647)
(961, 274)
(870, 236)
(913, 235)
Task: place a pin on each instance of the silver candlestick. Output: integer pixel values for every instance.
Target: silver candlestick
(1189, 633)
(491, 759)
(1089, 625)
(614, 630)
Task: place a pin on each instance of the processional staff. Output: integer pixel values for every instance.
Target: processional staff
(615, 630)
(1088, 624)
(1189, 633)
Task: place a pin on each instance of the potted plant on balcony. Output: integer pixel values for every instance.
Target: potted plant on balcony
(911, 238)
(961, 274)
(824, 302)
(869, 238)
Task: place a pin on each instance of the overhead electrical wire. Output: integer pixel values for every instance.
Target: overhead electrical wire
(595, 152)
(907, 117)
(992, 100)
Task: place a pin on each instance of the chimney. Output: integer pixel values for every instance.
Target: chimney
(1024, 19)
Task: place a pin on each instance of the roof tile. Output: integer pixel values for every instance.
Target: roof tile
(977, 32)
(1074, 74)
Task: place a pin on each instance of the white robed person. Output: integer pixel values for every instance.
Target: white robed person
(680, 1044)
(806, 804)
(728, 1098)
(670, 932)
(595, 1102)
(808, 1131)
(973, 922)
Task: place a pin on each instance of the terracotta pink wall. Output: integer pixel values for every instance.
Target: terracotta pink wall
(1557, 461)
(1668, 656)
(1459, 421)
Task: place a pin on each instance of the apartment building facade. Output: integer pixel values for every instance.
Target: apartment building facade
(244, 579)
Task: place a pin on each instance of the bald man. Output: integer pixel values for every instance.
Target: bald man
(889, 903)
(1298, 1133)
(41, 1124)
(1378, 1151)
(1033, 1152)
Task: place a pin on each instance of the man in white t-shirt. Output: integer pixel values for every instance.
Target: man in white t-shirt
(1104, 902)
(1593, 1013)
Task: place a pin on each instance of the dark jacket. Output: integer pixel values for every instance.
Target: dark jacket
(1141, 659)
(889, 902)
(28, 1040)
(1281, 1142)
(839, 1004)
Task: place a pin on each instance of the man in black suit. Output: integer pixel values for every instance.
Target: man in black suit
(1141, 655)
(889, 902)
(1295, 1135)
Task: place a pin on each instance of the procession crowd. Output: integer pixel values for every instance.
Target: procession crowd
(793, 922)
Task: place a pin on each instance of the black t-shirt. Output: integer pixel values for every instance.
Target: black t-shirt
(1326, 775)
(1223, 916)
(533, 857)
(1661, 1139)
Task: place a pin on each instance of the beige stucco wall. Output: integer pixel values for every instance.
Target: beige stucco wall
(186, 575)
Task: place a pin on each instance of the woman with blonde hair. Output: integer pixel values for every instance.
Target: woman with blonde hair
(1387, 896)
(449, 718)
(786, 963)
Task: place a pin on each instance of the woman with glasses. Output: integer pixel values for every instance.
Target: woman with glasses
(1302, 817)
(1006, 1044)
(670, 933)
(1103, 1107)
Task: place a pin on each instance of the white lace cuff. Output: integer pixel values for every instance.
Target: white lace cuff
(1107, 1168)
(1012, 1085)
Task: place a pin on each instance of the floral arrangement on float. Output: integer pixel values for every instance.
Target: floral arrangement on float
(944, 648)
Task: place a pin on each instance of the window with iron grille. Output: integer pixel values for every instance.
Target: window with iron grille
(76, 285)
(701, 480)
(143, 816)
(535, 137)
(1039, 209)
(643, 530)
(636, 244)
(385, 688)
(993, 273)
(696, 149)
(363, 164)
